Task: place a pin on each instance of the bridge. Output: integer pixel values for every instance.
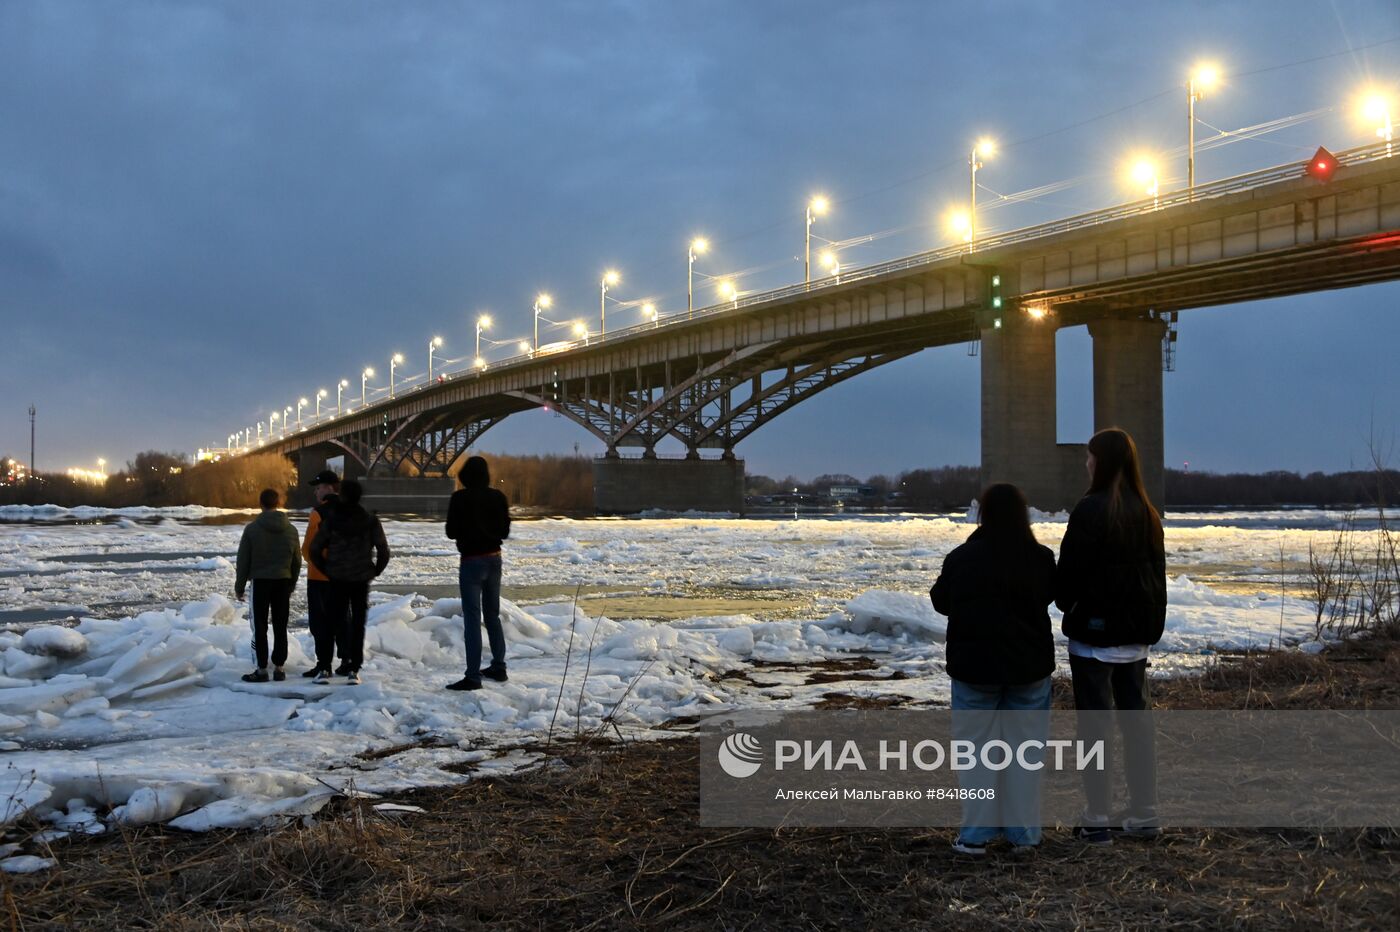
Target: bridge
(712, 378)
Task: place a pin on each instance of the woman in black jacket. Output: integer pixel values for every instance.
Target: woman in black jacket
(1112, 588)
(350, 549)
(995, 590)
(478, 519)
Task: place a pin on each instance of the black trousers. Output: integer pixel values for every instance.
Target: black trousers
(350, 601)
(1099, 689)
(327, 629)
(271, 597)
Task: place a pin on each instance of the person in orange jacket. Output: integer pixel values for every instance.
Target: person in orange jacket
(327, 632)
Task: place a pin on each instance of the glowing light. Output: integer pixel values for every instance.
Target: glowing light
(397, 358)
(580, 329)
(985, 147)
(819, 205)
(728, 289)
(303, 401)
(960, 224)
(479, 363)
(649, 310)
(524, 346)
(321, 393)
(828, 259)
(368, 373)
(1037, 312)
(484, 321)
(544, 300)
(344, 383)
(437, 341)
(699, 245)
(1205, 77)
(611, 277)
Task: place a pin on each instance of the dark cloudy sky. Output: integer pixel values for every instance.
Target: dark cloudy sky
(210, 209)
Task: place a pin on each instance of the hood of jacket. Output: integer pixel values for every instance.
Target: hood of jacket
(274, 522)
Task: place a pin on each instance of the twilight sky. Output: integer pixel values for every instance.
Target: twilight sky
(210, 209)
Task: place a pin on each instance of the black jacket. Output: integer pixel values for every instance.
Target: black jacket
(995, 596)
(478, 520)
(1112, 591)
(344, 541)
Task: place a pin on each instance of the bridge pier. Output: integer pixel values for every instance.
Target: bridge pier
(627, 485)
(1019, 431)
(1019, 414)
(1128, 389)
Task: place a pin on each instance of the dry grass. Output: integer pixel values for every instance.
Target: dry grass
(609, 838)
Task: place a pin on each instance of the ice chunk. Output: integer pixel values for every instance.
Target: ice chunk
(22, 664)
(20, 791)
(396, 639)
(894, 614)
(26, 864)
(252, 811)
(54, 641)
(150, 804)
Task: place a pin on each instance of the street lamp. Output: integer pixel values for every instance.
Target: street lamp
(984, 148)
(301, 403)
(649, 312)
(394, 361)
(1375, 108)
(730, 292)
(260, 441)
(286, 419)
(1203, 78)
(1144, 175)
(581, 330)
(543, 301)
(960, 224)
(482, 323)
(815, 208)
(272, 424)
(364, 380)
(433, 344)
(525, 347)
(320, 393)
(610, 277)
(698, 247)
(102, 466)
(833, 265)
(339, 393)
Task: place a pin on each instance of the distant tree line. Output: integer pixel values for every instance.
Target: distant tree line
(562, 484)
(157, 479)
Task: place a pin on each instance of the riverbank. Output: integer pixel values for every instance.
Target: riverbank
(608, 837)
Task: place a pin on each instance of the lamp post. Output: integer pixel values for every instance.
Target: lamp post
(610, 277)
(260, 425)
(581, 330)
(320, 393)
(832, 264)
(286, 419)
(301, 403)
(541, 302)
(433, 344)
(698, 247)
(730, 292)
(482, 323)
(272, 424)
(1202, 79)
(394, 361)
(815, 208)
(984, 148)
(339, 394)
(649, 311)
(525, 348)
(364, 381)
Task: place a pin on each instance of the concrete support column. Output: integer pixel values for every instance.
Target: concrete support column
(1018, 409)
(1128, 390)
(627, 486)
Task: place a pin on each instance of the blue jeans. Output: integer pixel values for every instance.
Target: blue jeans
(480, 578)
(1014, 812)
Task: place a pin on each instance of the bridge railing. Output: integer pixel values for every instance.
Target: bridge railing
(1221, 188)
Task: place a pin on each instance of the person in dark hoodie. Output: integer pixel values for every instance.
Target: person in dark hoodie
(478, 519)
(350, 549)
(326, 631)
(995, 590)
(269, 556)
(1112, 588)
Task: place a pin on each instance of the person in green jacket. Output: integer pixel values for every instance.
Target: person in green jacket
(269, 555)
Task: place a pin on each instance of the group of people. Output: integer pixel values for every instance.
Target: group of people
(1110, 584)
(344, 549)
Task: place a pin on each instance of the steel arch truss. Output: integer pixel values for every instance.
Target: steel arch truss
(424, 444)
(712, 403)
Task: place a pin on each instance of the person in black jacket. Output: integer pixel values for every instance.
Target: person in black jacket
(1112, 588)
(350, 549)
(478, 519)
(995, 590)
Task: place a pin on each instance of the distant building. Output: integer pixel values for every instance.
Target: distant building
(846, 493)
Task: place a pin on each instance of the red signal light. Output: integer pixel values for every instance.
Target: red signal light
(1323, 165)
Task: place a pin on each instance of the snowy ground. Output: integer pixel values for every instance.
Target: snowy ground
(140, 706)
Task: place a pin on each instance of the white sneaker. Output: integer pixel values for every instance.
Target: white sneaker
(353, 677)
(322, 677)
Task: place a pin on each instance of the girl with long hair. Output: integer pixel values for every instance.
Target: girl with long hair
(1112, 587)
